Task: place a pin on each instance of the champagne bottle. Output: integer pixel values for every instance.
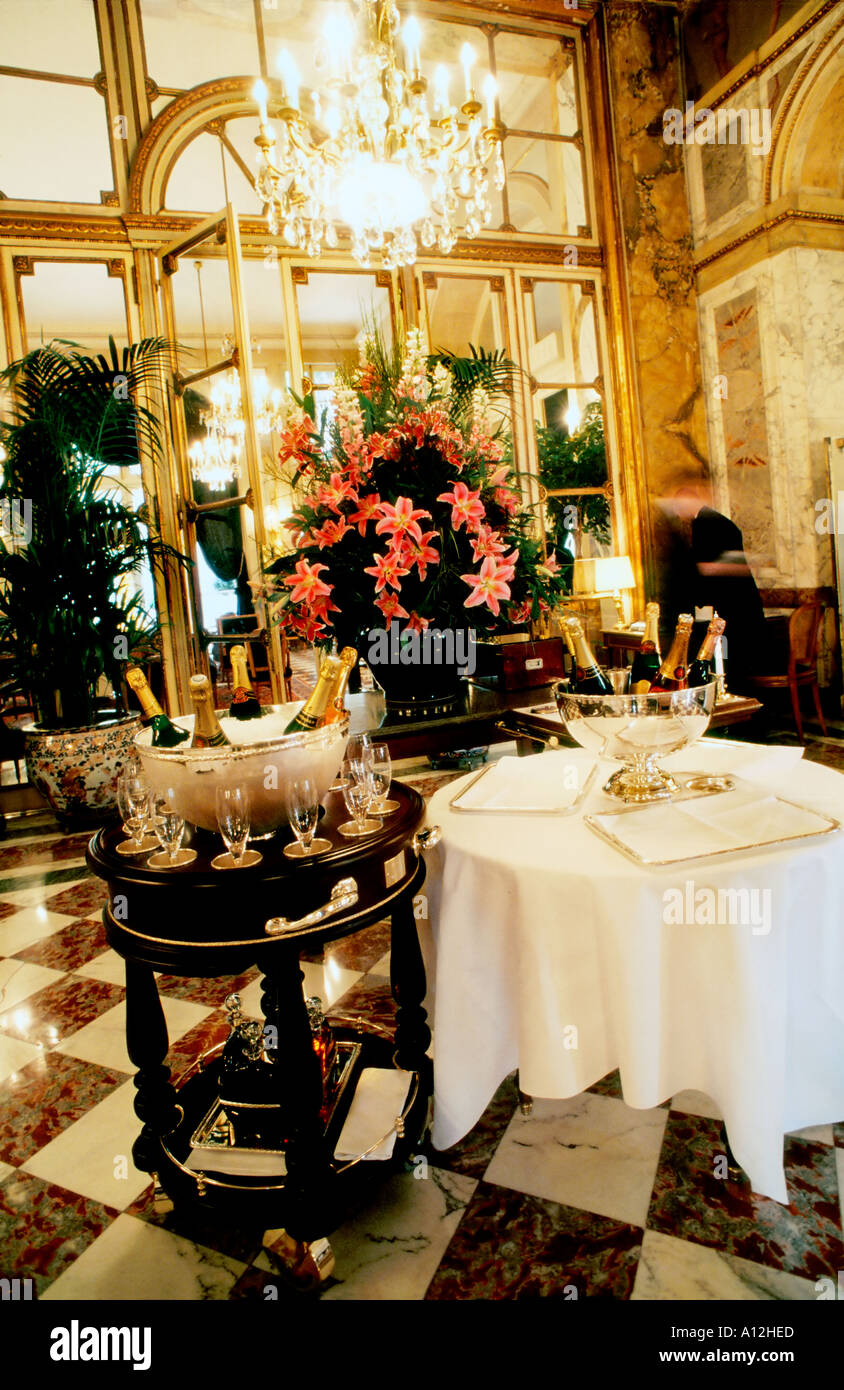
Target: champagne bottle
(206, 726)
(244, 703)
(701, 671)
(337, 707)
(589, 679)
(313, 712)
(570, 665)
(673, 673)
(648, 658)
(165, 734)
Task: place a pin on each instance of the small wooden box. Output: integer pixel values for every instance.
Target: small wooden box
(519, 665)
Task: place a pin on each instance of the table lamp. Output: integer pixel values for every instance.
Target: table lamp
(603, 577)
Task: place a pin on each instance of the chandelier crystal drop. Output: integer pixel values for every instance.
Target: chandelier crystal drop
(374, 151)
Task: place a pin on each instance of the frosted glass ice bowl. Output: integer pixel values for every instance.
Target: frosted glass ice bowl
(264, 758)
(636, 730)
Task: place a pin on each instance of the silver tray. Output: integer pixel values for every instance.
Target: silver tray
(521, 810)
(827, 826)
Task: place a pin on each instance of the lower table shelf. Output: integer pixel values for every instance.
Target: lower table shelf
(263, 1197)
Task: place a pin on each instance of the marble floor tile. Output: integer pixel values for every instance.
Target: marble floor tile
(5, 1170)
(592, 1152)
(7, 909)
(44, 1228)
(382, 966)
(232, 1239)
(609, 1085)
(184, 1051)
(329, 981)
(474, 1154)
(70, 948)
(104, 1041)
(42, 851)
(696, 1103)
(816, 1134)
(511, 1245)
(93, 1156)
(30, 922)
(838, 1134)
(134, 1262)
(360, 952)
(36, 895)
(212, 992)
(84, 899)
(671, 1269)
(391, 1249)
(65, 1006)
(15, 1055)
(368, 999)
(690, 1202)
(44, 1098)
(19, 980)
(25, 872)
(107, 966)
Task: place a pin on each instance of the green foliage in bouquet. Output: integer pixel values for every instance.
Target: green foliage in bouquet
(65, 619)
(409, 511)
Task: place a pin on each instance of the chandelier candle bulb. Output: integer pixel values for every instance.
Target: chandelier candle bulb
(467, 59)
(259, 92)
(290, 78)
(412, 35)
(441, 83)
(490, 93)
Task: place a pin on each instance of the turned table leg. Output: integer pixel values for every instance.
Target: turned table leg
(309, 1204)
(407, 981)
(147, 1043)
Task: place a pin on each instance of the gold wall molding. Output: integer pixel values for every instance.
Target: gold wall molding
(787, 216)
(61, 227)
(800, 89)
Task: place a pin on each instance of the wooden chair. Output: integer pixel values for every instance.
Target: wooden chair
(803, 634)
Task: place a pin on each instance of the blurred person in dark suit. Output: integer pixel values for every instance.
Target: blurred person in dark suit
(703, 565)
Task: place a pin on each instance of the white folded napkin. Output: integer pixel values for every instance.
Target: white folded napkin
(238, 1163)
(757, 762)
(739, 820)
(380, 1098)
(550, 782)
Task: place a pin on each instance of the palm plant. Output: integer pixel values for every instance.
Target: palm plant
(65, 618)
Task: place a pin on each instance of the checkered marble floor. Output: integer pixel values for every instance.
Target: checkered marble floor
(584, 1197)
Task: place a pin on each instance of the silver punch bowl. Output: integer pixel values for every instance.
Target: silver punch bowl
(637, 730)
(263, 758)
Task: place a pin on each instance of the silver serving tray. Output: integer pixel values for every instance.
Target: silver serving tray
(827, 827)
(521, 810)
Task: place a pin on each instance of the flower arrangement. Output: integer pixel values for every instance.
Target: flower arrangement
(410, 512)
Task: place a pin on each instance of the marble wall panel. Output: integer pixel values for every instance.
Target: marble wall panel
(747, 461)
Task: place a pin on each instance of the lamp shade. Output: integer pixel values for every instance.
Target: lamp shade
(603, 575)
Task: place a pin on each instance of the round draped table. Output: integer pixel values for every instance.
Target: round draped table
(555, 956)
(196, 921)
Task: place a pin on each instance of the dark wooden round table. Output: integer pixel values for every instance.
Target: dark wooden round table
(198, 921)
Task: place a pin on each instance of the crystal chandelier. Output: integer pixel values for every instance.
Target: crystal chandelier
(213, 459)
(226, 406)
(371, 150)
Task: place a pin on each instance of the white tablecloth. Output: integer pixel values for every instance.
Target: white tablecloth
(552, 955)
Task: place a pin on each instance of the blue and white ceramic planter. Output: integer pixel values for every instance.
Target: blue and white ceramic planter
(77, 769)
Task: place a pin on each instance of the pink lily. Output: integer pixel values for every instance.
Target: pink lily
(390, 607)
(330, 533)
(400, 519)
(387, 570)
(466, 505)
(306, 583)
(488, 587)
(368, 510)
(423, 554)
(336, 491)
(416, 623)
(487, 542)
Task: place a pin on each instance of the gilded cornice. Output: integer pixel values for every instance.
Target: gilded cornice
(833, 219)
(18, 226)
(799, 91)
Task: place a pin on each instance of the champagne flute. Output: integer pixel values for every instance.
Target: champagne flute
(358, 792)
(233, 824)
(303, 813)
(133, 803)
(169, 826)
(381, 769)
(357, 752)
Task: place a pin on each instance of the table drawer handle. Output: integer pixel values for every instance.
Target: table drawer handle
(426, 839)
(344, 894)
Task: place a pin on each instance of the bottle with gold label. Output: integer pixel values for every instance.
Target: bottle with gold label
(165, 734)
(673, 673)
(245, 704)
(648, 659)
(207, 732)
(337, 707)
(312, 714)
(589, 678)
(701, 671)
